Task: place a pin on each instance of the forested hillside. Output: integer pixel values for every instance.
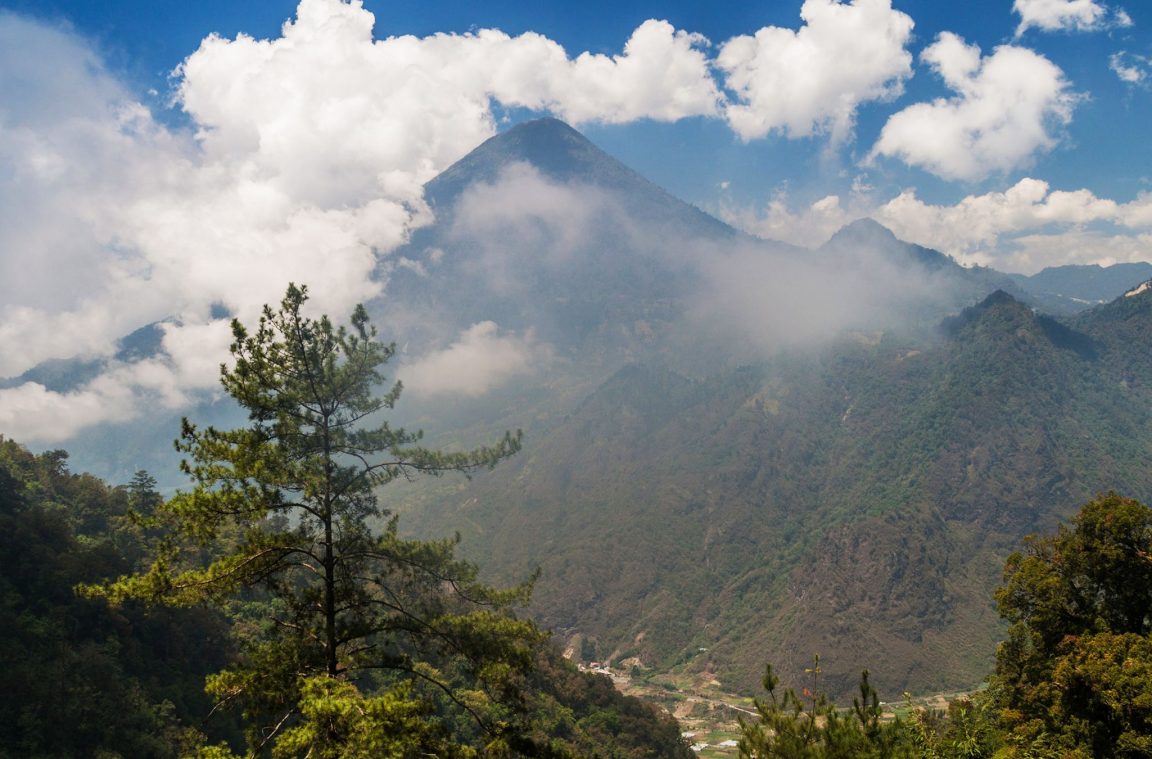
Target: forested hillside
(736, 450)
(80, 678)
(855, 501)
(262, 599)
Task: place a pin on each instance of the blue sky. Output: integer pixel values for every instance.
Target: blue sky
(160, 158)
(1100, 148)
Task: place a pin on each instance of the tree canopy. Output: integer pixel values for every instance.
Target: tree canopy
(280, 526)
(1074, 676)
(81, 678)
(809, 726)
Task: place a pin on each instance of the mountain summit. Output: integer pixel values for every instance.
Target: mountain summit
(549, 145)
(738, 451)
(539, 230)
(870, 236)
(562, 155)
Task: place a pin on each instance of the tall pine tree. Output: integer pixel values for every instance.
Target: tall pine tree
(279, 526)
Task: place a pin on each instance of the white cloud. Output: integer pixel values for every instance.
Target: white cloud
(1067, 15)
(812, 80)
(307, 153)
(1030, 253)
(306, 164)
(1131, 68)
(1027, 227)
(1023, 228)
(31, 412)
(662, 75)
(808, 227)
(74, 150)
(480, 360)
(416, 104)
(1005, 110)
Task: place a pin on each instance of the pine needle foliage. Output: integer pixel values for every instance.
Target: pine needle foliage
(809, 726)
(278, 528)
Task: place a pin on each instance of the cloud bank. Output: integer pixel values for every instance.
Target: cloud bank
(813, 80)
(1067, 15)
(1021, 229)
(1027, 227)
(305, 163)
(1006, 109)
(306, 156)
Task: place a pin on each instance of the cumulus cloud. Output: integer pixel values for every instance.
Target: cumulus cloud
(1026, 227)
(1006, 108)
(812, 80)
(306, 156)
(479, 360)
(74, 149)
(325, 101)
(305, 162)
(663, 74)
(1067, 15)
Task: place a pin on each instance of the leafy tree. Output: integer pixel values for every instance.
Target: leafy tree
(1074, 677)
(339, 722)
(282, 513)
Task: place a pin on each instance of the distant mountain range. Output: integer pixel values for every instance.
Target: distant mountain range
(1071, 289)
(696, 502)
(856, 502)
(739, 451)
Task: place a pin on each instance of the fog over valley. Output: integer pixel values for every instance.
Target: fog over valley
(600, 379)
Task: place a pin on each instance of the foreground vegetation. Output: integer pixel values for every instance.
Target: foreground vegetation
(319, 636)
(324, 637)
(1073, 680)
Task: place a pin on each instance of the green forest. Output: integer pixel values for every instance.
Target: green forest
(1073, 679)
(274, 608)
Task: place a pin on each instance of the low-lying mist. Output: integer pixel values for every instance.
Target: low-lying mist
(528, 274)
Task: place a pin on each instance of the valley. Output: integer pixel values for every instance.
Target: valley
(733, 444)
(514, 380)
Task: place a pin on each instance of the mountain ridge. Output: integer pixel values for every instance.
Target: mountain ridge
(857, 503)
(735, 446)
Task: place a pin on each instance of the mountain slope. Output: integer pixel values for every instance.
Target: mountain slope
(543, 241)
(538, 229)
(736, 451)
(562, 154)
(856, 502)
(866, 242)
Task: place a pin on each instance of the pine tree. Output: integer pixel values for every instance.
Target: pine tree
(809, 726)
(279, 527)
